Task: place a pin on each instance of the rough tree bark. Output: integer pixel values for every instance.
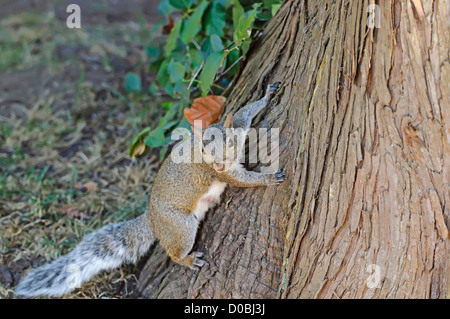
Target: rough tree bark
(364, 115)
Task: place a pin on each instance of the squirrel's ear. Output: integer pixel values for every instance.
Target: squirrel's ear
(229, 121)
(197, 132)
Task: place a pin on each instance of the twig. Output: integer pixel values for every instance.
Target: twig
(195, 75)
(225, 72)
(228, 46)
(197, 45)
(217, 86)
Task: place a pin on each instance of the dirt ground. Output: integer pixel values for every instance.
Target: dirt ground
(66, 124)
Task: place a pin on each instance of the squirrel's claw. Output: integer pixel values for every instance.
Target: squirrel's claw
(272, 88)
(279, 177)
(197, 262)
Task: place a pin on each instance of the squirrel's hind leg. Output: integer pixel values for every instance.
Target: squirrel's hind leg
(179, 237)
(192, 260)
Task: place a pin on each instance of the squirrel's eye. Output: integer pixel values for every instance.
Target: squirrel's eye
(230, 143)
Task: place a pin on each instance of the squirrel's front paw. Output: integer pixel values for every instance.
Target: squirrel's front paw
(279, 177)
(272, 88)
(197, 262)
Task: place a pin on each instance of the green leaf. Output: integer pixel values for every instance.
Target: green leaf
(212, 64)
(245, 46)
(175, 90)
(156, 138)
(210, 45)
(153, 52)
(173, 37)
(185, 96)
(264, 16)
(163, 75)
(176, 71)
(269, 3)
(275, 8)
(184, 123)
(237, 13)
(181, 4)
(163, 152)
(243, 29)
(193, 24)
(167, 105)
(152, 88)
(170, 89)
(195, 59)
(232, 57)
(165, 8)
(169, 125)
(215, 19)
(216, 43)
(225, 3)
(132, 82)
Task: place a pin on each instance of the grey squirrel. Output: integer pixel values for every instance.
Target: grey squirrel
(181, 195)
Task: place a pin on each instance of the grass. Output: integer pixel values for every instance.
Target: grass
(64, 139)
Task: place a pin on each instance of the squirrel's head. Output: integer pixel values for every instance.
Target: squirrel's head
(220, 144)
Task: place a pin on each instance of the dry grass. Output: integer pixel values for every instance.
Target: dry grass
(64, 138)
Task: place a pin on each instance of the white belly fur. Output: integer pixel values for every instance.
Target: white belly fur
(209, 199)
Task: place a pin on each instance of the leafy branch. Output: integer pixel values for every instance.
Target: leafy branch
(204, 45)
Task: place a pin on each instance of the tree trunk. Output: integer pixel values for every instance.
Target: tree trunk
(364, 118)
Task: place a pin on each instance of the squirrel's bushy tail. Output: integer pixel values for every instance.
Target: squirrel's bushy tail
(105, 248)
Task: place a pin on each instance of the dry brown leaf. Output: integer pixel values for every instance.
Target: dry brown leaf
(89, 186)
(168, 27)
(207, 109)
(72, 212)
(139, 149)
